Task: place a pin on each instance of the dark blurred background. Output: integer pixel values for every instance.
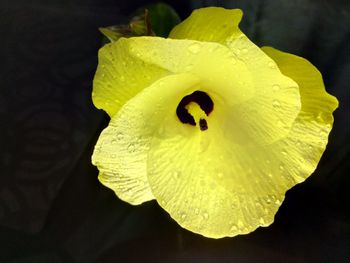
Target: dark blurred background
(53, 209)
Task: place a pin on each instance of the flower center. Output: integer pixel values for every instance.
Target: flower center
(194, 108)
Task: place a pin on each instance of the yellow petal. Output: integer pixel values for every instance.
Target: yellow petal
(220, 25)
(307, 140)
(246, 82)
(260, 140)
(121, 151)
(120, 75)
(213, 185)
(213, 24)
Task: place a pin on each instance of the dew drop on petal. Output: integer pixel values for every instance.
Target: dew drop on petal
(272, 65)
(280, 123)
(205, 215)
(194, 48)
(276, 104)
(188, 67)
(323, 133)
(120, 136)
(240, 224)
(233, 228)
(176, 174)
(131, 148)
(276, 87)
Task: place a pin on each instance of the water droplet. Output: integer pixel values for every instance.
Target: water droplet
(272, 64)
(233, 228)
(213, 48)
(284, 153)
(269, 175)
(120, 136)
(131, 148)
(113, 141)
(276, 104)
(277, 202)
(205, 216)
(194, 48)
(183, 216)
(261, 221)
(280, 123)
(122, 78)
(188, 67)
(113, 156)
(276, 87)
(323, 133)
(240, 224)
(220, 175)
(176, 174)
(281, 167)
(196, 211)
(233, 60)
(244, 51)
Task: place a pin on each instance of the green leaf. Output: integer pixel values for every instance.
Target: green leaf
(154, 19)
(162, 17)
(113, 33)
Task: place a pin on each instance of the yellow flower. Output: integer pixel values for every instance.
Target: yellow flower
(212, 127)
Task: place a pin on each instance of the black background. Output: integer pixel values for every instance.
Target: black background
(53, 209)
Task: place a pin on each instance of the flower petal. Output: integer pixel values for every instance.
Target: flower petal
(212, 185)
(245, 82)
(272, 102)
(120, 75)
(307, 140)
(121, 151)
(213, 24)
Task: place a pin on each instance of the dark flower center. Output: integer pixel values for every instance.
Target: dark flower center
(204, 102)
